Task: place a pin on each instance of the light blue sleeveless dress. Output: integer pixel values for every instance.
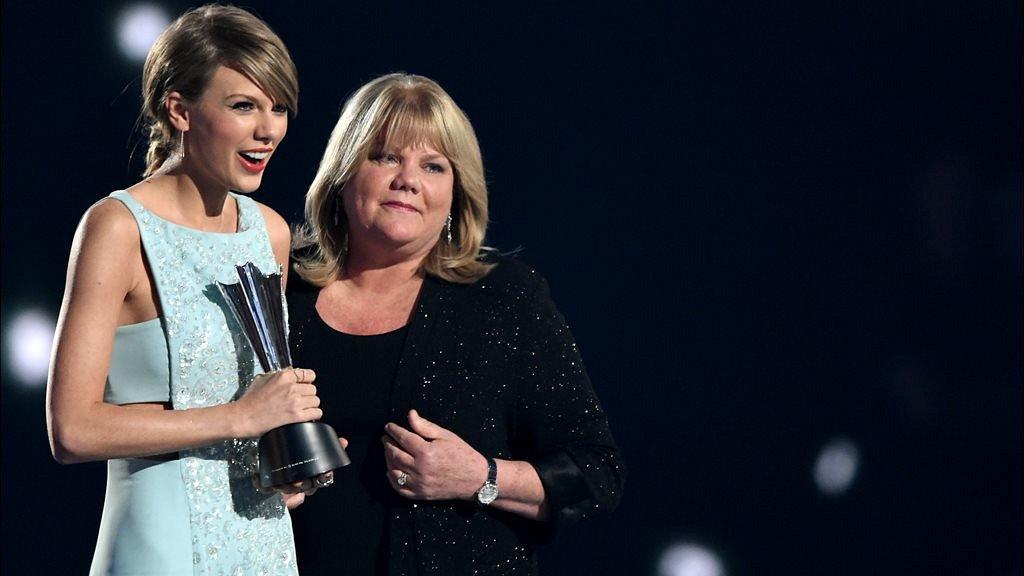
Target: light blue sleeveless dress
(199, 513)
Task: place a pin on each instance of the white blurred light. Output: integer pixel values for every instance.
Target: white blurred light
(836, 466)
(138, 26)
(689, 559)
(29, 338)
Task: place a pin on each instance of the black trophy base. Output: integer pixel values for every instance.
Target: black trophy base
(295, 452)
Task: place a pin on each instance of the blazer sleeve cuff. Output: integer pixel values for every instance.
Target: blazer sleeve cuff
(564, 487)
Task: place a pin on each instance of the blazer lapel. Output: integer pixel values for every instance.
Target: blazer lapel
(416, 349)
(402, 533)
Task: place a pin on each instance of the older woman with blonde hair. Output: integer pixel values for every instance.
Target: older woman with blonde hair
(473, 427)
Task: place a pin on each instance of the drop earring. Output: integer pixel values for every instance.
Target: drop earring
(448, 228)
(181, 148)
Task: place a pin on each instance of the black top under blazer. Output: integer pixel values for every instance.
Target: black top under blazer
(495, 363)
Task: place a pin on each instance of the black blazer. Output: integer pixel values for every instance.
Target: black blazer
(495, 363)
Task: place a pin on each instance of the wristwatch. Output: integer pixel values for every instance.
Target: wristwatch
(489, 491)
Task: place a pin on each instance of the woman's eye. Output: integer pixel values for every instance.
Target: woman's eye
(281, 109)
(435, 168)
(243, 105)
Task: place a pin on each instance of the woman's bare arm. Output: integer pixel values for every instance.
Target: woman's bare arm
(81, 426)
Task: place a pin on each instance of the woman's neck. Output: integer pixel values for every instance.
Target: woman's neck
(196, 197)
(380, 275)
(201, 207)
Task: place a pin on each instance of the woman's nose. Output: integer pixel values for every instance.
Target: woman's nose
(270, 129)
(405, 179)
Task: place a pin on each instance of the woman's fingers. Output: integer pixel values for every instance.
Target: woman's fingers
(309, 487)
(278, 398)
(396, 457)
(300, 487)
(424, 427)
(403, 483)
(409, 441)
(292, 501)
(310, 401)
(302, 374)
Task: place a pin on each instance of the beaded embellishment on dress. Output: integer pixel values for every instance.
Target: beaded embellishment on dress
(236, 530)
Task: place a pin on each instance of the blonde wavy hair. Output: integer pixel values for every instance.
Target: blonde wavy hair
(190, 50)
(392, 112)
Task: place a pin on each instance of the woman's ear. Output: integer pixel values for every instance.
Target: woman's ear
(177, 111)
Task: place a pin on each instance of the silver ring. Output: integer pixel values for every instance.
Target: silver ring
(324, 483)
(402, 478)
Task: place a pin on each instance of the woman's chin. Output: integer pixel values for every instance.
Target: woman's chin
(247, 184)
(246, 188)
(407, 244)
(398, 236)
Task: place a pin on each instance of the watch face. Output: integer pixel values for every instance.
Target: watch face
(488, 493)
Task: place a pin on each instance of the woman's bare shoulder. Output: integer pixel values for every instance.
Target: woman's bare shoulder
(106, 247)
(108, 221)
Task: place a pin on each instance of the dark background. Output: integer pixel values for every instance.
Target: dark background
(768, 226)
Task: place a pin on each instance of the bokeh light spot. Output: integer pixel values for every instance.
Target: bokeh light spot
(138, 27)
(29, 338)
(689, 559)
(836, 466)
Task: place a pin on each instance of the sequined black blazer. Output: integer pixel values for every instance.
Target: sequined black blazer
(495, 363)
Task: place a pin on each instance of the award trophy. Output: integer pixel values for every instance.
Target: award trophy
(292, 452)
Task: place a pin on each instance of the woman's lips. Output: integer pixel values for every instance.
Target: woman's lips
(250, 166)
(400, 206)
